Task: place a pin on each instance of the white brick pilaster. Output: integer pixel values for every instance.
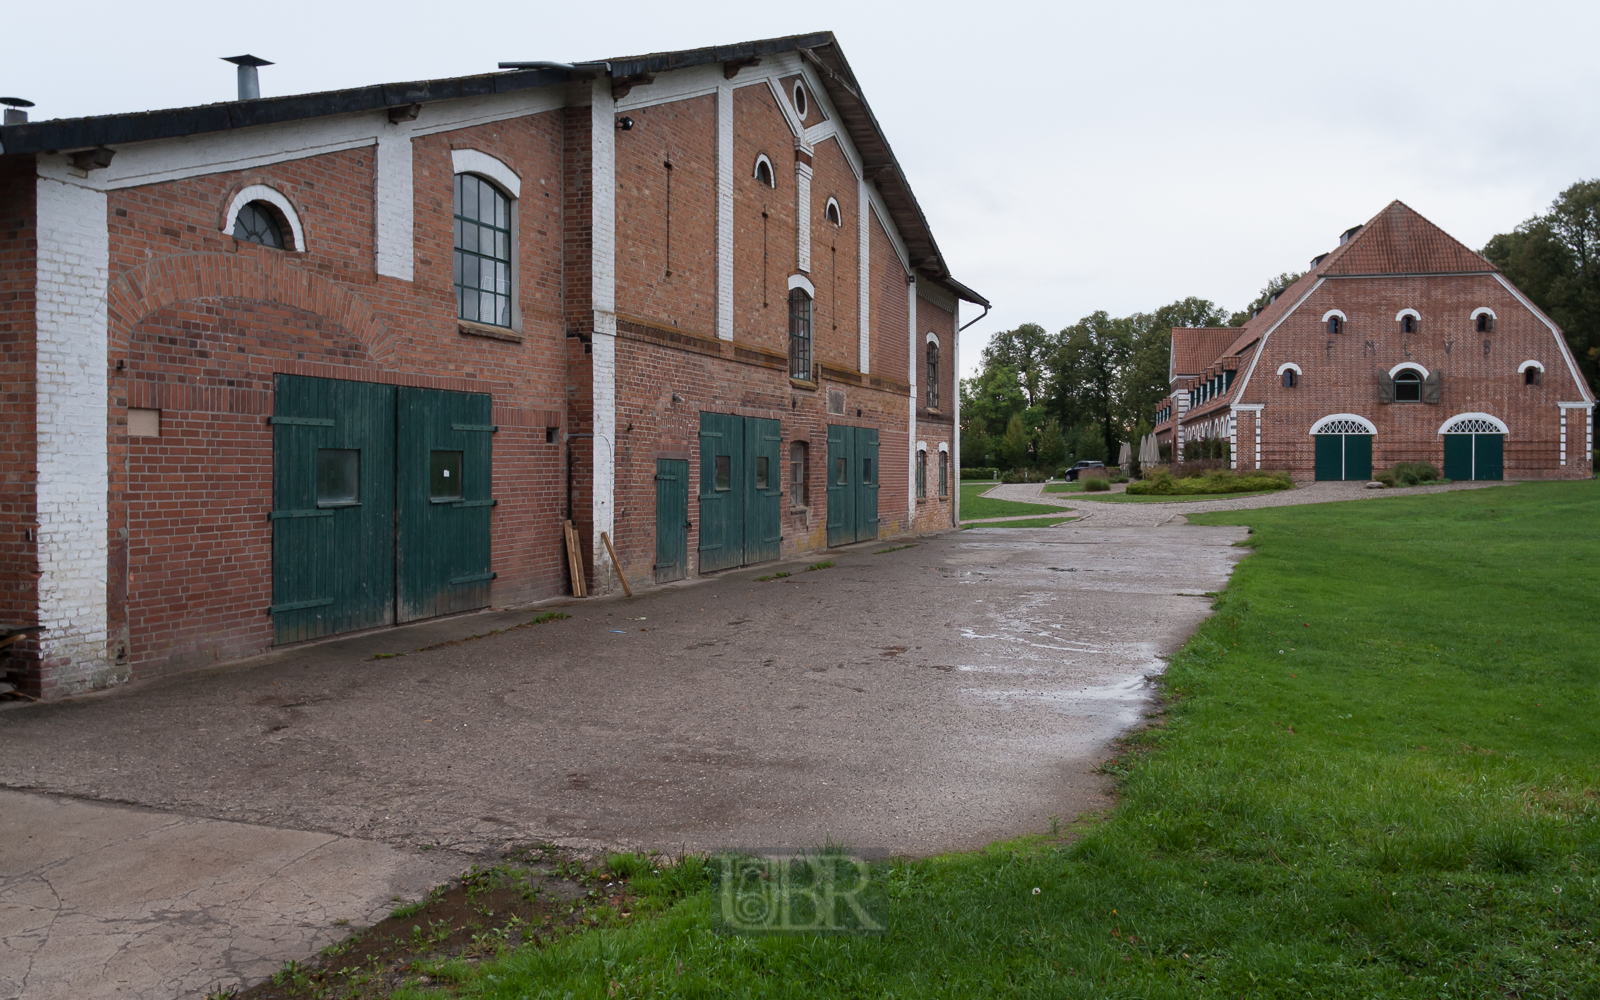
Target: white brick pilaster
(802, 214)
(73, 264)
(725, 211)
(911, 403)
(863, 272)
(603, 295)
(393, 201)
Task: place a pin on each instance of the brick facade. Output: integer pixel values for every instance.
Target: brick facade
(612, 354)
(1398, 262)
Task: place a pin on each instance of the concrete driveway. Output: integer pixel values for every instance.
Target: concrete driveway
(927, 699)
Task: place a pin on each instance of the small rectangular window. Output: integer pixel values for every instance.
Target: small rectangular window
(338, 476)
(144, 423)
(841, 473)
(797, 474)
(866, 470)
(724, 474)
(550, 434)
(922, 475)
(761, 472)
(944, 473)
(445, 476)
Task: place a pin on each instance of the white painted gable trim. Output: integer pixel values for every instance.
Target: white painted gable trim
(273, 197)
(1555, 331)
(475, 161)
(1261, 345)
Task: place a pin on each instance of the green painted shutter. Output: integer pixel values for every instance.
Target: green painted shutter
(1330, 456)
(332, 560)
(867, 496)
(763, 520)
(1488, 455)
(1458, 456)
(1358, 457)
(442, 545)
(841, 499)
(672, 517)
(721, 510)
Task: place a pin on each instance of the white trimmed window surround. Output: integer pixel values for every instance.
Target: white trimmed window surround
(1402, 314)
(1474, 423)
(801, 281)
(273, 197)
(1289, 366)
(770, 178)
(1530, 363)
(1482, 311)
(1412, 365)
(944, 446)
(1344, 423)
(473, 161)
(832, 212)
(1331, 313)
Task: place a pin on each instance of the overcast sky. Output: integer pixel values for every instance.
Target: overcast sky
(1069, 156)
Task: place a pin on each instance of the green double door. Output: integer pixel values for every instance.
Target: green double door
(852, 473)
(1474, 456)
(380, 505)
(1344, 456)
(740, 491)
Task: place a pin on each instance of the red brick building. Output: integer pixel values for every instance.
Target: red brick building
(282, 368)
(1400, 345)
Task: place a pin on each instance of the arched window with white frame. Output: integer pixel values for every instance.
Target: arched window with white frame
(832, 213)
(1483, 319)
(484, 266)
(933, 371)
(263, 215)
(763, 172)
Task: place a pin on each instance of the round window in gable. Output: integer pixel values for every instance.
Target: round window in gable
(800, 100)
(258, 222)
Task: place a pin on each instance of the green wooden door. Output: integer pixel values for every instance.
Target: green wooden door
(721, 496)
(1358, 457)
(1458, 456)
(763, 492)
(842, 505)
(672, 519)
(333, 507)
(1488, 456)
(1330, 456)
(867, 492)
(443, 480)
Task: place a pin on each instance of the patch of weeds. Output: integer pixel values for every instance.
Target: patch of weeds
(895, 548)
(534, 897)
(773, 576)
(824, 564)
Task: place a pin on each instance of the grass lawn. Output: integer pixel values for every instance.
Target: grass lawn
(1032, 522)
(974, 504)
(1064, 488)
(1376, 777)
(1180, 498)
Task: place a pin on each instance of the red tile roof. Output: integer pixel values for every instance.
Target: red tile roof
(1195, 347)
(1399, 241)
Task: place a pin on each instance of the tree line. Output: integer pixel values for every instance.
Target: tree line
(1047, 400)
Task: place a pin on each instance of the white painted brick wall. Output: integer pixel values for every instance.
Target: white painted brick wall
(802, 214)
(394, 199)
(604, 294)
(73, 262)
(725, 211)
(864, 276)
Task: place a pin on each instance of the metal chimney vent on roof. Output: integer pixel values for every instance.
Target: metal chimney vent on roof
(249, 80)
(16, 110)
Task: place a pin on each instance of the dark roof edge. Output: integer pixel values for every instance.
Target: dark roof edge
(143, 126)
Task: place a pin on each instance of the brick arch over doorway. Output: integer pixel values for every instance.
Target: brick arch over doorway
(262, 276)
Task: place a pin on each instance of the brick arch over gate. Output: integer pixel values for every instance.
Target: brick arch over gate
(169, 280)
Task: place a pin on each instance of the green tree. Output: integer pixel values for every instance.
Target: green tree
(1052, 445)
(1088, 371)
(1013, 446)
(1274, 288)
(988, 402)
(1145, 380)
(1026, 351)
(1555, 259)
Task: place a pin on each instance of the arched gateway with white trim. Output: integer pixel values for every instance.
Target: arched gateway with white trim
(1474, 446)
(1344, 446)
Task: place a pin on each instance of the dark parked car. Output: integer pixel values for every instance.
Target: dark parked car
(1076, 470)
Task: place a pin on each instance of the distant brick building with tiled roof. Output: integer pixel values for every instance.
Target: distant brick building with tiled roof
(1401, 344)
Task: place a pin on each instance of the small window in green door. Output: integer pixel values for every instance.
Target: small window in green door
(338, 477)
(841, 474)
(866, 470)
(445, 476)
(761, 472)
(724, 480)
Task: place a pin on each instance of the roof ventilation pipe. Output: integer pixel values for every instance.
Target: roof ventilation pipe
(16, 110)
(249, 80)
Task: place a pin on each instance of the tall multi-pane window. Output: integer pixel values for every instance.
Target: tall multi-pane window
(933, 375)
(483, 252)
(799, 334)
(944, 473)
(922, 475)
(797, 474)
